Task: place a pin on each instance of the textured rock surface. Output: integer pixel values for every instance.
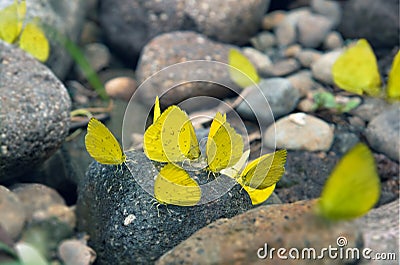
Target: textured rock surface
(238, 240)
(129, 25)
(383, 133)
(47, 201)
(13, 214)
(380, 228)
(377, 21)
(274, 94)
(312, 30)
(34, 112)
(125, 226)
(329, 9)
(179, 47)
(300, 131)
(322, 67)
(371, 108)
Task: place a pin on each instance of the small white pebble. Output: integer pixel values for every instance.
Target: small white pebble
(129, 219)
(4, 150)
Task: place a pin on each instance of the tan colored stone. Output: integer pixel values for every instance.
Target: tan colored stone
(121, 87)
(239, 240)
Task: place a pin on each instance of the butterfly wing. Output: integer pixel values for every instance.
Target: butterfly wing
(224, 145)
(11, 20)
(264, 171)
(218, 120)
(34, 41)
(393, 87)
(353, 187)
(173, 185)
(356, 70)
(157, 110)
(258, 196)
(235, 170)
(102, 145)
(171, 138)
(242, 71)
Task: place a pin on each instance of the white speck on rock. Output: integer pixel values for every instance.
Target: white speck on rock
(129, 219)
(4, 149)
(298, 118)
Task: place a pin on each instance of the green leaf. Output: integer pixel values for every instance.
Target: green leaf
(79, 57)
(11, 263)
(352, 104)
(8, 250)
(241, 70)
(29, 255)
(325, 100)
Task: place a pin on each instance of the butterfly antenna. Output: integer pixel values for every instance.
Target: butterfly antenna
(208, 175)
(215, 176)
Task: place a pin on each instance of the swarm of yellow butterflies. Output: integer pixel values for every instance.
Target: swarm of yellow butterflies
(352, 189)
(28, 35)
(356, 71)
(171, 138)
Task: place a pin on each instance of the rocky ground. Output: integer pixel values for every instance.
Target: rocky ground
(58, 206)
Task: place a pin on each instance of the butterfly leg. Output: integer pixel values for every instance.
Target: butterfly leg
(186, 160)
(158, 204)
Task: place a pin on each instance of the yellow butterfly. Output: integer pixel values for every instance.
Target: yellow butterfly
(356, 70)
(264, 171)
(353, 187)
(102, 145)
(224, 145)
(393, 85)
(256, 195)
(241, 70)
(173, 185)
(31, 38)
(171, 137)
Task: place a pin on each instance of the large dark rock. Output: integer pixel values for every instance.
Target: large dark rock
(377, 21)
(184, 80)
(34, 112)
(125, 224)
(129, 25)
